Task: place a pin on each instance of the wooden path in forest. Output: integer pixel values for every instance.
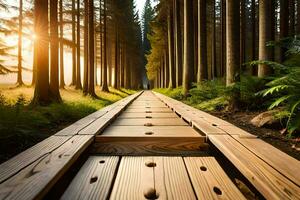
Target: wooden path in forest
(149, 146)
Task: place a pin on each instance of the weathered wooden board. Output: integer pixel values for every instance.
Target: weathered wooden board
(147, 103)
(171, 179)
(34, 181)
(268, 181)
(280, 161)
(96, 127)
(167, 131)
(147, 115)
(149, 145)
(134, 179)
(233, 130)
(150, 122)
(94, 179)
(22, 160)
(207, 128)
(209, 180)
(149, 110)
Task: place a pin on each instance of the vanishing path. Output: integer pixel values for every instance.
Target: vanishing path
(149, 146)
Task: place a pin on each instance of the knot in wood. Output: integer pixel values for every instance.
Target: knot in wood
(150, 164)
(150, 193)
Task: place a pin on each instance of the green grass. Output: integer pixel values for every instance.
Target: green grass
(22, 125)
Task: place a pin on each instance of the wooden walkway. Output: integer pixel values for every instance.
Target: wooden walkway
(149, 146)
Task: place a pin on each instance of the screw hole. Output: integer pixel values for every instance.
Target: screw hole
(93, 179)
(214, 124)
(102, 161)
(150, 164)
(150, 194)
(217, 191)
(203, 168)
(148, 117)
(149, 133)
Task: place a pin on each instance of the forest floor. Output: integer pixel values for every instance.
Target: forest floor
(217, 107)
(22, 126)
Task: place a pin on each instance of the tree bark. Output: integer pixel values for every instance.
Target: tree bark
(73, 83)
(242, 33)
(292, 17)
(61, 45)
(233, 41)
(253, 36)
(20, 33)
(223, 37)
(298, 18)
(265, 35)
(91, 76)
(202, 42)
(172, 79)
(284, 24)
(105, 86)
(188, 59)
(178, 43)
(86, 47)
(78, 74)
(41, 92)
(54, 79)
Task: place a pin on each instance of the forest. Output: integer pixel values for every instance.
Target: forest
(236, 59)
(63, 60)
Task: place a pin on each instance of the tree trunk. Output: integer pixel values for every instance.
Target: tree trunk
(105, 86)
(213, 42)
(202, 42)
(86, 47)
(242, 33)
(188, 59)
(73, 45)
(172, 80)
(292, 17)
(20, 81)
(41, 93)
(233, 41)
(116, 72)
(178, 43)
(284, 24)
(223, 37)
(54, 79)
(298, 18)
(253, 36)
(78, 74)
(265, 35)
(91, 76)
(61, 45)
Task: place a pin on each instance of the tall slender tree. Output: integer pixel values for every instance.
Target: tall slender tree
(188, 58)
(78, 65)
(172, 80)
(73, 83)
(202, 42)
(20, 33)
(284, 24)
(61, 44)
(54, 44)
(178, 42)
(41, 92)
(104, 84)
(86, 47)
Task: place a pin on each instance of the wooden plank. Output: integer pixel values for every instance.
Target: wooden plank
(167, 131)
(149, 145)
(149, 110)
(233, 130)
(209, 180)
(96, 127)
(146, 106)
(269, 182)
(207, 128)
(147, 103)
(94, 179)
(147, 115)
(171, 179)
(150, 122)
(22, 160)
(34, 181)
(280, 161)
(134, 179)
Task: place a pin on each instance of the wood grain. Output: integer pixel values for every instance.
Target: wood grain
(233, 130)
(153, 110)
(167, 131)
(149, 145)
(207, 128)
(171, 179)
(280, 161)
(22, 160)
(151, 122)
(94, 179)
(133, 179)
(268, 181)
(206, 175)
(147, 115)
(34, 181)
